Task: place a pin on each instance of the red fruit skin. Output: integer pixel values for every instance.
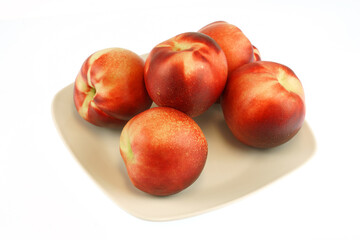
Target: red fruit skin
(236, 46)
(257, 56)
(110, 88)
(187, 72)
(260, 111)
(164, 151)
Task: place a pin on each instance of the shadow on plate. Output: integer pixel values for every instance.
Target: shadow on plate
(232, 170)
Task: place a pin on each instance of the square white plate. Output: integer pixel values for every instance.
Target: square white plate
(232, 170)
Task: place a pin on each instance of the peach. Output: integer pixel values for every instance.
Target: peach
(110, 88)
(263, 104)
(236, 46)
(187, 72)
(164, 151)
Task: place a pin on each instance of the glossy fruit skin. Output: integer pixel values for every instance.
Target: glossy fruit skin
(164, 151)
(236, 46)
(110, 88)
(258, 109)
(187, 72)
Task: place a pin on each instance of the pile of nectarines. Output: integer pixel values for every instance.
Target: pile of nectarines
(163, 148)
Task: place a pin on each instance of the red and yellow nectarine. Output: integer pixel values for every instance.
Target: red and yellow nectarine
(236, 46)
(164, 150)
(110, 88)
(187, 72)
(263, 104)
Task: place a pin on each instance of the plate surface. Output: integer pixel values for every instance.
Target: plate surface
(232, 170)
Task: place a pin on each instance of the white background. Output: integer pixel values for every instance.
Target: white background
(45, 193)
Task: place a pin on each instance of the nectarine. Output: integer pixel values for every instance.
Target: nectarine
(236, 46)
(164, 150)
(187, 72)
(110, 88)
(263, 104)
